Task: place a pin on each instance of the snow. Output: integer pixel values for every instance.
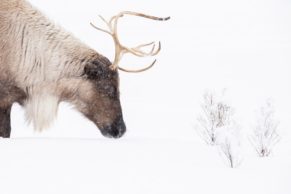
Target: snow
(154, 166)
(241, 46)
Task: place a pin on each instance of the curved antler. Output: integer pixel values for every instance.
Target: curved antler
(120, 49)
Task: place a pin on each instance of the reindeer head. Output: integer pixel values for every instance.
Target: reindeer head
(101, 102)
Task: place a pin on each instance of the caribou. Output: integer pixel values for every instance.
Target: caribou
(42, 65)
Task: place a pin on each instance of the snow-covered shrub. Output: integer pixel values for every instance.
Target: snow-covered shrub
(217, 126)
(265, 135)
(215, 114)
(229, 143)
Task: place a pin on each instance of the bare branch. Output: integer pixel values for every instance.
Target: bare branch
(265, 135)
(216, 114)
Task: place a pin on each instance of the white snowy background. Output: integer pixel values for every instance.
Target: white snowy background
(243, 47)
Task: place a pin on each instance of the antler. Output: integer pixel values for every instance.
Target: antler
(120, 49)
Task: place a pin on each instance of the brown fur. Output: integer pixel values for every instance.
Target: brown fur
(42, 65)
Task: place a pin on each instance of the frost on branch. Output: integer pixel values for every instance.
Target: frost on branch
(215, 114)
(265, 135)
(230, 144)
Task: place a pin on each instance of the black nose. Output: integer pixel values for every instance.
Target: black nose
(116, 129)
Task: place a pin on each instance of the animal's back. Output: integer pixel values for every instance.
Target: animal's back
(33, 48)
(6, 5)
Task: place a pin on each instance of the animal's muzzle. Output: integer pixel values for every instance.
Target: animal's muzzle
(116, 129)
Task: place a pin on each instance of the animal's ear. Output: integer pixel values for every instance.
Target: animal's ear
(98, 69)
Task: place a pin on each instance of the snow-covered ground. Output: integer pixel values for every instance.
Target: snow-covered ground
(130, 166)
(243, 46)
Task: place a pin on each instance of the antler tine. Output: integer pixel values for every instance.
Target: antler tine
(97, 28)
(143, 15)
(108, 25)
(120, 50)
(138, 70)
(144, 45)
(151, 53)
(138, 52)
